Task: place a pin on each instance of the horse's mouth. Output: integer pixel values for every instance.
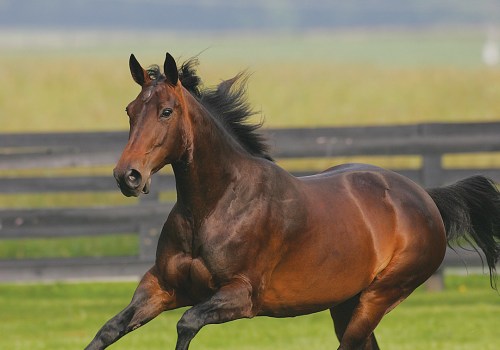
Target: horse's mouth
(147, 185)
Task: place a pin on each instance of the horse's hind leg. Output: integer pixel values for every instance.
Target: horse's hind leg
(341, 315)
(149, 300)
(406, 272)
(377, 300)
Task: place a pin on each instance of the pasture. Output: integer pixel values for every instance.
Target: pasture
(303, 80)
(63, 316)
(308, 80)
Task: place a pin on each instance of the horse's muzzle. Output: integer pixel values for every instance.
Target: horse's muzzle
(131, 182)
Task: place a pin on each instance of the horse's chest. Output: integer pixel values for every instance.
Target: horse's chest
(190, 274)
(208, 257)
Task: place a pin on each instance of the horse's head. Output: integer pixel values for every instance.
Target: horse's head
(157, 123)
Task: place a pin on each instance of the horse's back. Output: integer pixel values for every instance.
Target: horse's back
(345, 168)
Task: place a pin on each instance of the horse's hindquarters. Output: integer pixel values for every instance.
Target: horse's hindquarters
(360, 225)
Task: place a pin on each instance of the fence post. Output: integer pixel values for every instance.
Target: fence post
(432, 171)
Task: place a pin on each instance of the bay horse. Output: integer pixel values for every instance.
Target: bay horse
(245, 238)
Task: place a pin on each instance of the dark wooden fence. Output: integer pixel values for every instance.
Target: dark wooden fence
(62, 150)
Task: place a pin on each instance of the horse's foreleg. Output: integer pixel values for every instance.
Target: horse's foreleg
(149, 300)
(231, 302)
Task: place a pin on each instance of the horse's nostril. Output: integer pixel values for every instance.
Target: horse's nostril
(133, 178)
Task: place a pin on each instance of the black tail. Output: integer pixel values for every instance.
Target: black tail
(471, 211)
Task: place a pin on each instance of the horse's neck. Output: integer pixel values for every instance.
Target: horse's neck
(204, 175)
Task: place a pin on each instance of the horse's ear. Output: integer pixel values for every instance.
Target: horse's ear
(138, 73)
(170, 70)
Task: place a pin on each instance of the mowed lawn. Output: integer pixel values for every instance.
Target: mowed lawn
(66, 316)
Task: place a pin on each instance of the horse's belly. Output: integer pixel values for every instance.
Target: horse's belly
(302, 285)
(286, 302)
(331, 260)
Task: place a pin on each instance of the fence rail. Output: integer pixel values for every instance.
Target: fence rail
(62, 150)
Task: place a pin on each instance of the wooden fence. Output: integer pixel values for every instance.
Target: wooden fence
(62, 150)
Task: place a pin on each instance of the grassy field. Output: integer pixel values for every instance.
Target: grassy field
(77, 94)
(302, 80)
(66, 316)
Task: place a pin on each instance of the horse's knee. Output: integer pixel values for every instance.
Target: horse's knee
(149, 300)
(188, 325)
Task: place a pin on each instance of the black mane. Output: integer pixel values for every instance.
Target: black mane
(226, 102)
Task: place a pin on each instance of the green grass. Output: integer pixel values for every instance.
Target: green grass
(104, 245)
(301, 80)
(94, 94)
(64, 316)
(64, 199)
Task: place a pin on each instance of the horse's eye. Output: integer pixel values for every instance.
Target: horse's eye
(166, 112)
